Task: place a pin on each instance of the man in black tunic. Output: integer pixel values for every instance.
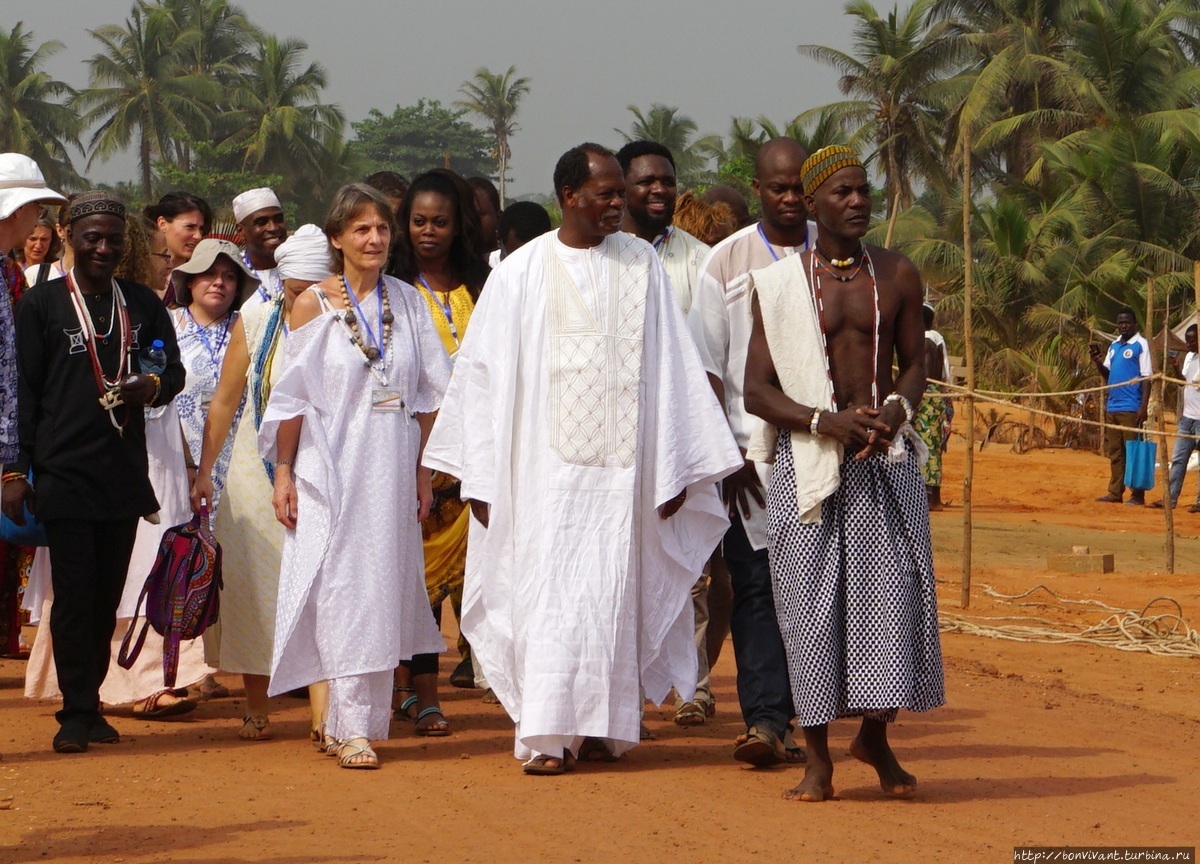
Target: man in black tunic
(79, 339)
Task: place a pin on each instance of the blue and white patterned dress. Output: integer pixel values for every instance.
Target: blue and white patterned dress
(202, 350)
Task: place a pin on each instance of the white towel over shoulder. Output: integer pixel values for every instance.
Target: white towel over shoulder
(793, 332)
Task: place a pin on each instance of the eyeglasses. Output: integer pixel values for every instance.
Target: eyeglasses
(166, 255)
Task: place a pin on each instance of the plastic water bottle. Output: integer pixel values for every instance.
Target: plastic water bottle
(153, 360)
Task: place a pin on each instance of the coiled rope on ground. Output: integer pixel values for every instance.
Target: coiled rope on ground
(1166, 634)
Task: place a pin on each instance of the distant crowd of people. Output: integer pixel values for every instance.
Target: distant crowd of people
(607, 444)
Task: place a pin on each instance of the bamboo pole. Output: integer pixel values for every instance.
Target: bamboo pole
(1160, 423)
(969, 359)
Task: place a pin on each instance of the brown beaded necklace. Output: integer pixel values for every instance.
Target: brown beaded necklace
(378, 347)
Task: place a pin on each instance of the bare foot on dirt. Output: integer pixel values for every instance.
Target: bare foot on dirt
(817, 785)
(876, 752)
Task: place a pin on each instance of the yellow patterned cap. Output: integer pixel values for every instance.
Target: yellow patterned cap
(826, 162)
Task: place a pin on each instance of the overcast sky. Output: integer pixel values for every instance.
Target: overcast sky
(587, 62)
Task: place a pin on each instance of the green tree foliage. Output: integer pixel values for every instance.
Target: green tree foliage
(35, 117)
(140, 94)
(893, 74)
(281, 125)
(673, 130)
(1085, 136)
(419, 137)
(496, 98)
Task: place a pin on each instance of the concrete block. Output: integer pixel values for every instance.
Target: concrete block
(1081, 563)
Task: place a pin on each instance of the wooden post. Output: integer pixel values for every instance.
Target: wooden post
(1160, 423)
(969, 359)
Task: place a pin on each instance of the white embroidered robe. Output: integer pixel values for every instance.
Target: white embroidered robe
(578, 406)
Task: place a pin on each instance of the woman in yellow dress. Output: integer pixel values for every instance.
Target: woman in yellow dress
(439, 252)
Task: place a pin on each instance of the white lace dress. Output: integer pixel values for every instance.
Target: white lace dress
(352, 595)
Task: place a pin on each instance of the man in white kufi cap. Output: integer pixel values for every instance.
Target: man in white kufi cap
(262, 227)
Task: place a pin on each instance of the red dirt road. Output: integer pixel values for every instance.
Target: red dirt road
(1038, 744)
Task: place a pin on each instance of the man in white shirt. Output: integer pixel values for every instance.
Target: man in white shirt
(261, 228)
(651, 191)
(1189, 421)
(720, 323)
(650, 195)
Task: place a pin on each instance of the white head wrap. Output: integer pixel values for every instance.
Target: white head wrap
(252, 201)
(304, 255)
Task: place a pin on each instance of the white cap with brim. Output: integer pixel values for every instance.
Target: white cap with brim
(203, 257)
(21, 183)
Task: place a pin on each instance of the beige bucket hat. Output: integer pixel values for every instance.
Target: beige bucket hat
(203, 256)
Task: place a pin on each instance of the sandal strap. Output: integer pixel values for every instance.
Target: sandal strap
(432, 709)
(408, 703)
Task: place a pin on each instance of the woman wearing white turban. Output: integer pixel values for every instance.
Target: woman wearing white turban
(250, 537)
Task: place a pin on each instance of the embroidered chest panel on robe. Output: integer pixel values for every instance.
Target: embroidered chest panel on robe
(596, 360)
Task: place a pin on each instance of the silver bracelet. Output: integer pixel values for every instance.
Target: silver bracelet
(812, 423)
(904, 403)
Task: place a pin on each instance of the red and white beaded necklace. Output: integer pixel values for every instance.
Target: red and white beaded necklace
(108, 387)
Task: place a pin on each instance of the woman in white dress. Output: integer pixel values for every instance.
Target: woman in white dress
(345, 428)
(250, 537)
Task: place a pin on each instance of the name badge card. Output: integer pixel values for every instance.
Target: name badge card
(387, 401)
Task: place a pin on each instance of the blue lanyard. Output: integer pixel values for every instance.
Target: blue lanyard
(445, 308)
(213, 356)
(662, 239)
(770, 248)
(363, 318)
(262, 292)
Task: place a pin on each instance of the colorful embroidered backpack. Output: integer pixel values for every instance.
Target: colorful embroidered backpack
(182, 593)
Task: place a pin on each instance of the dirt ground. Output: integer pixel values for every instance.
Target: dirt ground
(1038, 744)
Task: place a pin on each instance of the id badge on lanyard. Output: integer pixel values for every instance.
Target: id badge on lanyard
(387, 401)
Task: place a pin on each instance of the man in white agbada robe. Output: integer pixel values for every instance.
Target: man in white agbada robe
(588, 440)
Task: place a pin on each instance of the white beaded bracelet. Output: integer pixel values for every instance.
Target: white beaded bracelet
(812, 423)
(904, 403)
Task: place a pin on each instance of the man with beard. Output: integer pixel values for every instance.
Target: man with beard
(262, 227)
(588, 443)
(81, 395)
(651, 191)
(650, 194)
(851, 555)
(720, 323)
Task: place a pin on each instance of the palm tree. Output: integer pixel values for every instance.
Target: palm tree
(675, 131)
(1137, 161)
(214, 39)
(1016, 88)
(282, 125)
(138, 89)
(34, 116)
(496, 98)
(895, 73)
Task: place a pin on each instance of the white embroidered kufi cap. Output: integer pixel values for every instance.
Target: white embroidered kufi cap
(252, 201)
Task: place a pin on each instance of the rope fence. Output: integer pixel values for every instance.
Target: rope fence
(995, 397)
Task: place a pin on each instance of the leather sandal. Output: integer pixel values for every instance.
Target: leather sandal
(759, 747)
